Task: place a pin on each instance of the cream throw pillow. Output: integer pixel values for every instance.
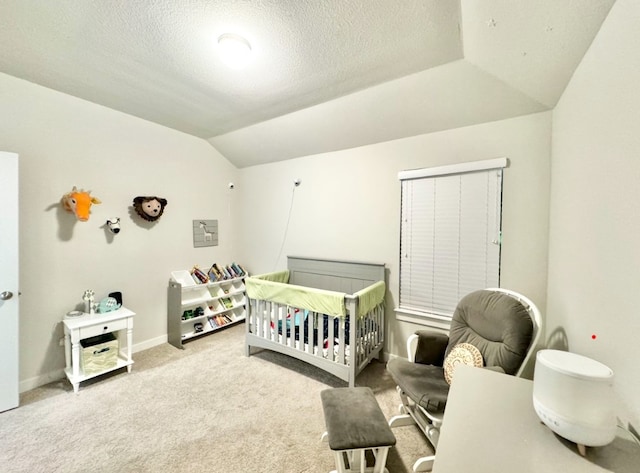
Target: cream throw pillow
(461, 354)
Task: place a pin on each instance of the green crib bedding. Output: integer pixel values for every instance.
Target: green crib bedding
(275, 287)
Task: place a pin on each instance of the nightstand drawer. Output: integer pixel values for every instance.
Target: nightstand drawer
(99, 329)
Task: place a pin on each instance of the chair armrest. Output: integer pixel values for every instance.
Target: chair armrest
(428, 347)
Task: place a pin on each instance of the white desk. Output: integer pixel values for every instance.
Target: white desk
(90, 325)
(490, 426)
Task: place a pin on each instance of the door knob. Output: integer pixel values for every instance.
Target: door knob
(6, 295)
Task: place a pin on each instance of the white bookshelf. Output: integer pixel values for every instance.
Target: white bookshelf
(195, 309)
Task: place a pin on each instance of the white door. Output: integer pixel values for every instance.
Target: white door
(9, 375)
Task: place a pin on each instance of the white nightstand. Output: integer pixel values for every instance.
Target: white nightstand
(78, 328)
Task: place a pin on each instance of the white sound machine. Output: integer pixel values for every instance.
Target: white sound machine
(573, 395)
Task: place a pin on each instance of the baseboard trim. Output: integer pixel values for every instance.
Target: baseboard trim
(153, 342)
(389, 356)
(55, 375)
(41, 380)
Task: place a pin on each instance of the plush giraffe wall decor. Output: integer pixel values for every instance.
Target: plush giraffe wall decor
(79, 203)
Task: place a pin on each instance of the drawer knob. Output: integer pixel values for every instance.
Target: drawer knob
(105, 327)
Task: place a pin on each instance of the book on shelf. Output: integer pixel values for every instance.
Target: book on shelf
(199, 276)
(218, 272)
(239, 270)
(232, 272)
(214, 274)
(219, 320)
(227, 302)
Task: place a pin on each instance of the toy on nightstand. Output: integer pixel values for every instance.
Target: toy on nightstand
(108, 304)
(88, 298)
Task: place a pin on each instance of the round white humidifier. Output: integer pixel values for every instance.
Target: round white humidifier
(573, 395)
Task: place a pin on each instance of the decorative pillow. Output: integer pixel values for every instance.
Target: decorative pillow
(461, 354)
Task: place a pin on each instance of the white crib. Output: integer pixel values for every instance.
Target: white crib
(327, 313)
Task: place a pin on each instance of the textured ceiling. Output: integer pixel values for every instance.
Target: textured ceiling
(325, 74)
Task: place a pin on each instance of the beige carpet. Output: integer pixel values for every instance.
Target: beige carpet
(207, 408)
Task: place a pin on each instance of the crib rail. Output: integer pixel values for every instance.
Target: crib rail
(342, 346)
(368, 337)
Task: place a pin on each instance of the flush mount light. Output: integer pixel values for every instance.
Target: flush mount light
(235, 50)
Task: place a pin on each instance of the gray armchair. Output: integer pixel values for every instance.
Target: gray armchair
(502, 325)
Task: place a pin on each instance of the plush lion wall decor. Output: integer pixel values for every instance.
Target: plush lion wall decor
(149, 208)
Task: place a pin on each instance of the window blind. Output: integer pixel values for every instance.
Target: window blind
(449, 236)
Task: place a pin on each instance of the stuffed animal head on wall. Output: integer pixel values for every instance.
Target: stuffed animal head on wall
(79, 203)
(114, 225)
(149, 208)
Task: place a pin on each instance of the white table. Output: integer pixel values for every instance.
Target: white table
(490, 426)
(90, 325)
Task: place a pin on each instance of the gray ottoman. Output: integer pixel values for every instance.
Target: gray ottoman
(356, 424)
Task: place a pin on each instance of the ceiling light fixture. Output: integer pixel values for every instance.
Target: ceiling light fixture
(235, 50)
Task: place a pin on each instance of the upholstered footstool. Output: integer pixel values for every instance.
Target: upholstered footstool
(356, 424)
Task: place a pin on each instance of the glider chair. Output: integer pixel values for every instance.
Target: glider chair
(495, 329)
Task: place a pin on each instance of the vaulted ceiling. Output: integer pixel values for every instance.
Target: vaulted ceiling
(324, 74)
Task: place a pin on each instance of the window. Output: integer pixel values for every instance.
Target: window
(450, 236)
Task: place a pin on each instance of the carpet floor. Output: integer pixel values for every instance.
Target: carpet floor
(207, 408)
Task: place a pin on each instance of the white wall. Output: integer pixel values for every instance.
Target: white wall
(63, 141)
(346, 208)
(348, 205)
(594, 261)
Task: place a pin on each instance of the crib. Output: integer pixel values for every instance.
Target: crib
(327, 313)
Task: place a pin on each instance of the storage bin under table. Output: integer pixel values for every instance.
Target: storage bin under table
(87, 356)
(99, 353)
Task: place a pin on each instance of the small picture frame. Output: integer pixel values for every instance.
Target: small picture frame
(205, 233)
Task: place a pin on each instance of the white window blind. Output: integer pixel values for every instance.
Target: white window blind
(450, 235)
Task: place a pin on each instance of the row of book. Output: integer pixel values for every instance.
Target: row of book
(217, 273)
(219, 320)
